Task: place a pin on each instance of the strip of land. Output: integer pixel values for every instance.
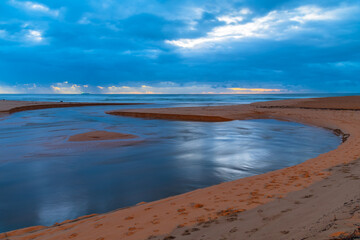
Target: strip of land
(99, 136)
(317, 199)
(8, 107)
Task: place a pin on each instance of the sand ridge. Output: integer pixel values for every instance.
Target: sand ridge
(99, 136)
(239, 197)
(9, 106)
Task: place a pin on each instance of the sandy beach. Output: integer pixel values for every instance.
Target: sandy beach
(317, 199)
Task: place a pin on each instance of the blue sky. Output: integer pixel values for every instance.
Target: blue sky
(167, 46)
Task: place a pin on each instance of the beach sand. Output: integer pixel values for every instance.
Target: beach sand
(317, 199)
(99, 136)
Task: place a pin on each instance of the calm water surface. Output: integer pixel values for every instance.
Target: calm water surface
(183, 99)
(45, 179)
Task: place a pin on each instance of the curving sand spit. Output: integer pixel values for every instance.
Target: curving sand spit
(318, 199)
(8, 107)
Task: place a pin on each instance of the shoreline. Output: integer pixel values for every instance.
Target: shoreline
(237, 197)
(10, 106)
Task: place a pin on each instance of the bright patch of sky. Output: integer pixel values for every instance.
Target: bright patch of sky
(276, 25)
(35, 7)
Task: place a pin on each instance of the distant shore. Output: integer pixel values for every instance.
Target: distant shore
(9, 106)
(317, 199)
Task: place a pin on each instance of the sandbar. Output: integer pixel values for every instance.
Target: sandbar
(9, 106)
(99, 136)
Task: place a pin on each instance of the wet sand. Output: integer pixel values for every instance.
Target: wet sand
(99, 136)
(318, 199)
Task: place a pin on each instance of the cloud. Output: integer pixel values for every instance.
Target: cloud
(22, 88)
(25, 35)
(160, 88)
(34, 35)
(304, 14)
(213, 45)
(236, 17)
(190, 88)
(255, 90)
(35, 7)
(8, 90)
(275, 25)
(66, 88)
(58, 88)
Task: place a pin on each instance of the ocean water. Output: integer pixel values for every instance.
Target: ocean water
(160, 99)
(46, 179)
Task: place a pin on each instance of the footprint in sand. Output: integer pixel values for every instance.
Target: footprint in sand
(186, 232)
(252, 230)
(307, 196)
(181, 210)
(169, 237)
(73, 235)
(195, 229)
(155, 221)
(233, 230)
(97, 225)
(197, 205)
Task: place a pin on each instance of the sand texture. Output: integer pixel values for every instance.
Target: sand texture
(317, 199)
(99, 135)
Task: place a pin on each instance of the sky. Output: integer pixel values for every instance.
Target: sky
(188, 46)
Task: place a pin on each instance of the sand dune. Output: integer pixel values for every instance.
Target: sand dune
(318, 199)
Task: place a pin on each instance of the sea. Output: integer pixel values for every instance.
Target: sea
(179, 99)
(45, 179)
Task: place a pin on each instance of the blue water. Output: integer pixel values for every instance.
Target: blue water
(183, 99)
(45, 179)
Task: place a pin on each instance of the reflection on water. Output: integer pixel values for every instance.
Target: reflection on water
(44, 179)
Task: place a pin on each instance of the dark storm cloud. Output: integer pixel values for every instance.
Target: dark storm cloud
(293, 45)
